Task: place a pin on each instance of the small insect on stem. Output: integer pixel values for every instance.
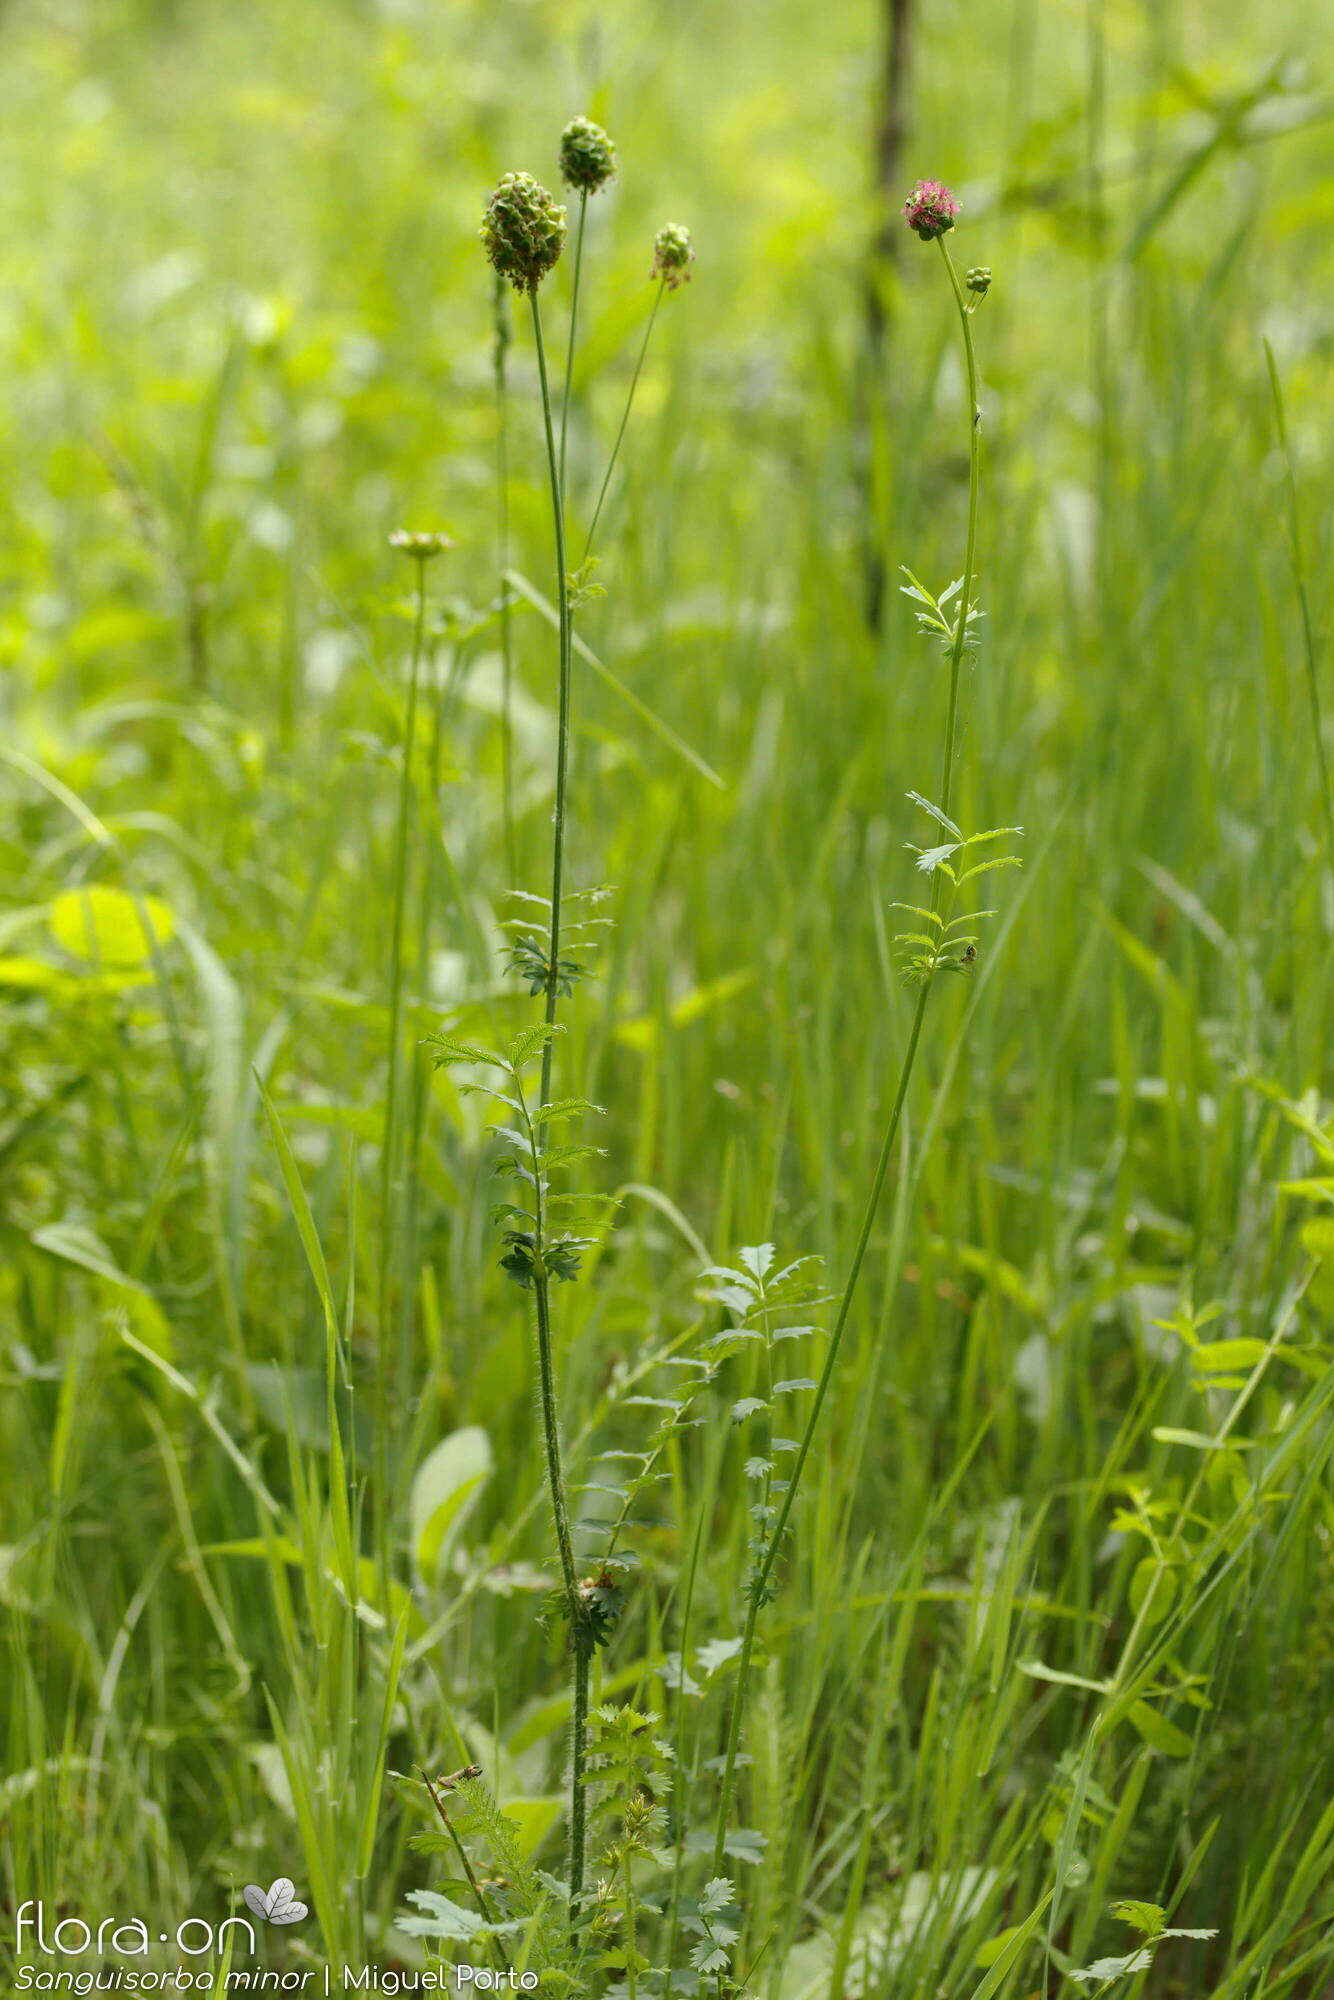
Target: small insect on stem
(460, 1777)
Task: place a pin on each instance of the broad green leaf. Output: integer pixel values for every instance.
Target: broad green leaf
(444, 1489)
(1158, 1732)
(442, 1918)
(1146, 1917)
(108, 927)
(1318, 1237)
(534, 1819)
(994, 1946)
(1016, 1941)
(1151, 1577)
(1228, 1357)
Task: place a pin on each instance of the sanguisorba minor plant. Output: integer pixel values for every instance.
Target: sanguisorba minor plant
(524, 234)
(941, 942)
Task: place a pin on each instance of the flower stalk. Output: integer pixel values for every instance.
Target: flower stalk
(929, 212)
(587, 163)
(524, 233)
(673, 254)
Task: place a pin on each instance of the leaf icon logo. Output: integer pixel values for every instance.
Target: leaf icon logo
(277, 1905)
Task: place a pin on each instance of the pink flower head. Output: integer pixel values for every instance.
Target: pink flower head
(930, 209)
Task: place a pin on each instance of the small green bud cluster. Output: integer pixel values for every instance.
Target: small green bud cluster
(587, 156)
(523, 231)
(673, 254)
(979, 279)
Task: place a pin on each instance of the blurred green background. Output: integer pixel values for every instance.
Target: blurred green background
(246, 330)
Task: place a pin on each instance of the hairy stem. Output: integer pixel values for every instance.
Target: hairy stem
(759, 1591)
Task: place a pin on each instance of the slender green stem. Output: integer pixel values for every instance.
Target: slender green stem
(570, 1583)
(390, 1137)
(551, 1434)
(759, 1590)
(479, 1893)
(499, 362)
(970, 554)
(629, 1922)
(625, 418)
(546, 1358)
(583, 1659)
(574, 322)
(560, 1512)
(1304, 602)
(563, 725)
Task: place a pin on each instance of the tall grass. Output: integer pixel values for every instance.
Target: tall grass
(1055, 1624)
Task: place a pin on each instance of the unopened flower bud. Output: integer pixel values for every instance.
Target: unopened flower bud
(673, 254)
(930, 209)
(523, 231)
(979, 280)
(421, 544)
(587, 156)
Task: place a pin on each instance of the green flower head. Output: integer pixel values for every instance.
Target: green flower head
(587, 156)
(421, 543)
(523, 231)
(673, 254)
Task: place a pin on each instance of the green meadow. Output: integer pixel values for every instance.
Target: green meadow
(872, 1534)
